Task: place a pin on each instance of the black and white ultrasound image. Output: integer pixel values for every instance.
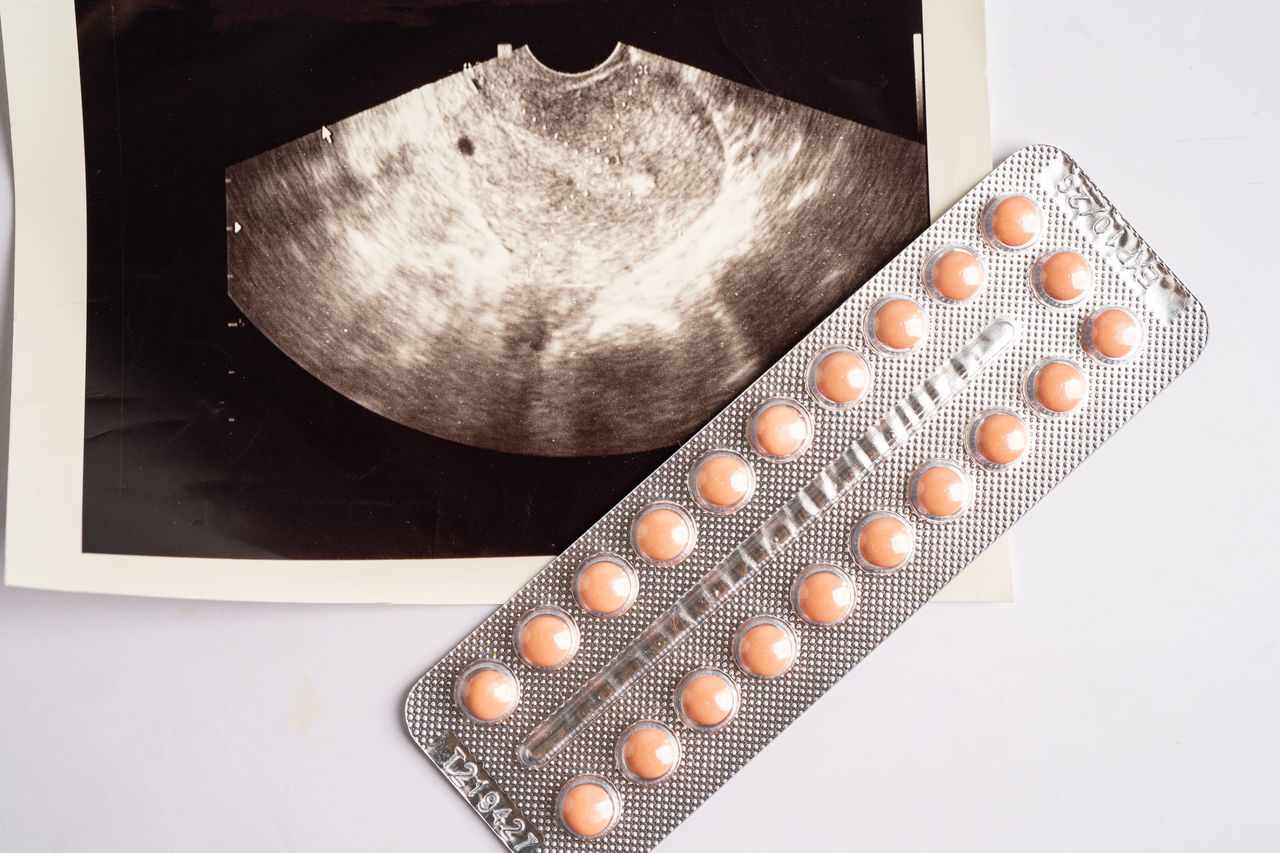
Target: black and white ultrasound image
(361, 287)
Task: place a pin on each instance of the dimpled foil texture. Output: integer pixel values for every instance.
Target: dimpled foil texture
(920, 406)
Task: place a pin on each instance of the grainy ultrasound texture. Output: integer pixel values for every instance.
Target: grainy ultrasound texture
(563, 264)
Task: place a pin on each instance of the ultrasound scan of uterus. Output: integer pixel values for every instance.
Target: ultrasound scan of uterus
(558, 264)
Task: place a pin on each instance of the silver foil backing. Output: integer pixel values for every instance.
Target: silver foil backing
(519, 801)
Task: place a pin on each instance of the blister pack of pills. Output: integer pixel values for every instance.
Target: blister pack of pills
(651, 660)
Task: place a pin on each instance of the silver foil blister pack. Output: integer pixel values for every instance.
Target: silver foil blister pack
(637, 672)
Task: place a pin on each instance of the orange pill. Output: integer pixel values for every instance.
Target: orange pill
(707, 699)
(722, 481)
(882, 542)
(648, 752)
(780, 430)
(546, 638)
(1111, 334)
(1012, 222)
(954, 274)
(896, 324)
(998, 438)
(765, 647)
(839, 377)
(823, 595)
(663, 534)
(606, 585)
(939, 491)
(1056, 387)
(487, 691)
(1062, 278)
(589, 806)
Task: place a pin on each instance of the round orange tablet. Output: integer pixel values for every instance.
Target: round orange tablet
(546, 638)
(1011, 222)
(939, 491)
(882, 542)
(954, 274)
(707, 700)
(896, 324)
(823, 595)
(606, 585)
(780, 429)
(765, 647)
(1062, 278)
(1111, 334)
(1056, 386)
(589, 806)
(721, 481)
(487, 691)
(648, 752)
(839, 377)
(663, 533)
(998, 438)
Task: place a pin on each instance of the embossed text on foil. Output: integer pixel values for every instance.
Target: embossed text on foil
(484, 795)
(1095, 217)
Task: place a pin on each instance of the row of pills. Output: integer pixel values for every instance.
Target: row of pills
(780, 429)
(547, 638)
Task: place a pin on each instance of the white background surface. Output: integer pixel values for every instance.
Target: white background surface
(1130, 699)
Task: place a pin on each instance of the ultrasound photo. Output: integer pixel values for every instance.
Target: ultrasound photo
(561, 264)
(370, 281)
